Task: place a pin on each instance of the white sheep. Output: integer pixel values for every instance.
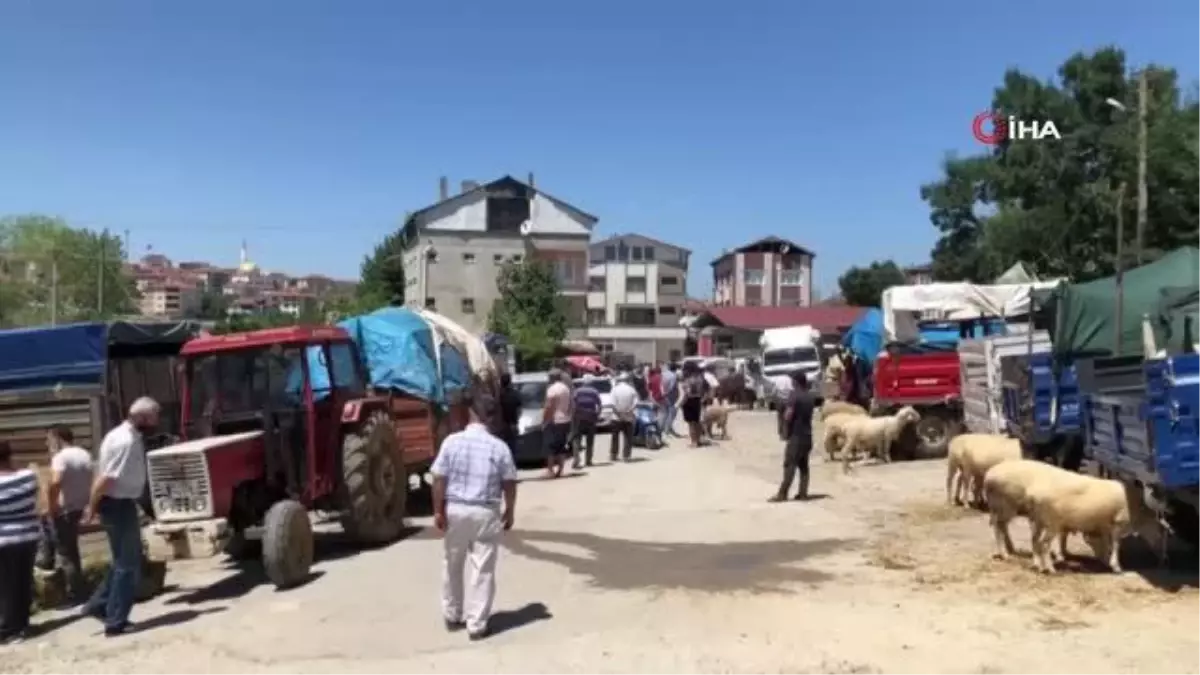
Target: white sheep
(841, 407)
(955, 475)
(1004, 487)
(835, 431)
(1060, 502)
(974, 454)
(875, 435)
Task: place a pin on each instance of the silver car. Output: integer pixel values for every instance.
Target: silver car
(531, 387)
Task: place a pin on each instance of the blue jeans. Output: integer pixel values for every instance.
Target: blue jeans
(115, 595)
(668, 423)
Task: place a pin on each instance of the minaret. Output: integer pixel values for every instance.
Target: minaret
(244, 257)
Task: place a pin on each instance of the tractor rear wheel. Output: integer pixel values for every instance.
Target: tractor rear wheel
(934, 431)
(287, 543)
(375, 482)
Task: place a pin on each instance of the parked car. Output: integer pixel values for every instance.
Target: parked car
(604, 386)
(531, 387)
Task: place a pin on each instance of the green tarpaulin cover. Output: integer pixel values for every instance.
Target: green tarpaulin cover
(1086, 319)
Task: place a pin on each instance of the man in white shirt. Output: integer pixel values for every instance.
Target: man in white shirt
(624, 400)
(473, 478)
(67, 497)
(120, 483)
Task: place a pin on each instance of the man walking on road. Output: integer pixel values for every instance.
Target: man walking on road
(67, 496)
(624, 401)
(473, 476)
(586, 412)
(120, 482)
(670, 392)
(798, 423)
(556, 422)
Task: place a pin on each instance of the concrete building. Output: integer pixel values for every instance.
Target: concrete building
(455, 248)
(637, 289)
(171, 300)
(770, 272)
(919, 274)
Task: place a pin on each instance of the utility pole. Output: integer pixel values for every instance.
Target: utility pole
(1143, 99)
(1120, 276)
(54, 291)
(100, 272)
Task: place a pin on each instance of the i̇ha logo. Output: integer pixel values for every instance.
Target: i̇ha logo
(993, 128)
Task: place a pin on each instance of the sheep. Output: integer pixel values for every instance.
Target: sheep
(841, 407)
(835, 431)
(1005, 486)
(876, 433)
(973, 454)
(1104, 510)
(716, 415)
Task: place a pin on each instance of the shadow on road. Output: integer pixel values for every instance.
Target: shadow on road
(757, 566)
(508, 619)
(245, 575)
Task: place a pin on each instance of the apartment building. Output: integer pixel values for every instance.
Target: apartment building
(637, 292)
(170, 299)
(454, 248)
(770, 272)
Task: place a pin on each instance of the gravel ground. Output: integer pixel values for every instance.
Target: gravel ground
(675, 564)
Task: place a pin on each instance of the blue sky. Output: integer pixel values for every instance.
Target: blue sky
(309, 127)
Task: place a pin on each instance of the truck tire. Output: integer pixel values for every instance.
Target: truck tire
(287, 544)
(375, 482)
(934, 431)
(1184, 522)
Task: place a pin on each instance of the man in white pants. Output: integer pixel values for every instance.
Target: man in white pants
(473, 477)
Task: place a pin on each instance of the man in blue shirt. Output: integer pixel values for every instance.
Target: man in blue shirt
(670, 392)
(586, 413)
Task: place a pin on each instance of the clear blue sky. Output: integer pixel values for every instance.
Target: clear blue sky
(309, 127)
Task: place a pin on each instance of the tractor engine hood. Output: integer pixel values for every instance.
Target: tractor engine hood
(195, 479)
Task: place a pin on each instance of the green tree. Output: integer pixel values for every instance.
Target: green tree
(382, 276)
(57, 271)
(1053, 204)
(529, 312)
(214, 306)
(863, 286)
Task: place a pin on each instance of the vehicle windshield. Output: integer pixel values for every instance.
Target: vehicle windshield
(533, 394)
(239, 383)
(601, 386)
(783, 357)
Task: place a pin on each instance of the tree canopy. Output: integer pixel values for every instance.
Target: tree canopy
(52, 271)
(528, 311)
(382, 277)
(863, 286)
(1053, 204)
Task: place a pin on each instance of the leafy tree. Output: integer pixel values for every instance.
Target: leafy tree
(863, 286)
(1053, 204)
(529, 311)
(90, 282)
(382, 275)
(214, 306)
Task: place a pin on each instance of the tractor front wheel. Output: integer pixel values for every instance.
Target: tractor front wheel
(287, 544)
(375, 481)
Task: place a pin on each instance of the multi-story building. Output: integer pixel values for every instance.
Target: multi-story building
(454, 248)
(172, 299)
(770, 272)
(637, 291)
(919, 274)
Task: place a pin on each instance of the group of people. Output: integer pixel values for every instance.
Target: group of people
(77, 492)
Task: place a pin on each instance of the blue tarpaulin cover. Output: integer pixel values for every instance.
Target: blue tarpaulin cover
(33, 358)
(400, 353)
(865, 337)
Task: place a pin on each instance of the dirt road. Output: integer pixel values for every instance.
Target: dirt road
(675, 563)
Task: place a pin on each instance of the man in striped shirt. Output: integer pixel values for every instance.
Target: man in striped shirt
(20, 529)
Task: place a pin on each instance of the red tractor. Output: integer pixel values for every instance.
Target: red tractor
(276, 423)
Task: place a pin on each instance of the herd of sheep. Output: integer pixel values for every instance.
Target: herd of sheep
(987, 470)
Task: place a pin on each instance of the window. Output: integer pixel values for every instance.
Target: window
(345, 368)
(596, 317)
(622, 252)
(648, 253)
(498, 259)
(669, 281)
(431, 303)
(468, 305)
(518, 258)
(597, 284)
(791, 278)
(468, 258)
(610, 253)
(636, 253)
(753, 277)
(637, 316)
(603, 347)
(564, 271)
(635, 285)
(666, 311)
